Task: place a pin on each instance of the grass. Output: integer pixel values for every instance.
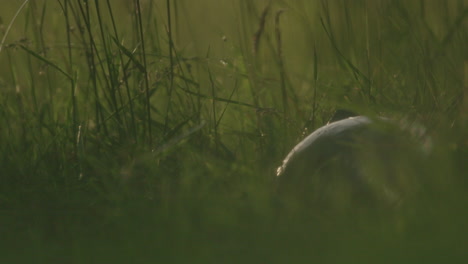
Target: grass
(142, 131)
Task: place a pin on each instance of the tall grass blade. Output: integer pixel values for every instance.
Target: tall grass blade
(47, 61)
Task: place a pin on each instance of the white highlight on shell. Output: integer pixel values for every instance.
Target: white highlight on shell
(332, 129)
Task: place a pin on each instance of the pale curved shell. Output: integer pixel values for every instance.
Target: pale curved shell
(332, 129)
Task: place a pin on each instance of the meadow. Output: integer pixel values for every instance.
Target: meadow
(139, 131)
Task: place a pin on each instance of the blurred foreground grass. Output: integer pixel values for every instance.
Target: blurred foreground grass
(143, 131)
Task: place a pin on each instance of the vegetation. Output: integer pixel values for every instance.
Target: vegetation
(142, 131)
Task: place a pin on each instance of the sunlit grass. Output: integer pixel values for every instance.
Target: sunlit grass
(136, 131)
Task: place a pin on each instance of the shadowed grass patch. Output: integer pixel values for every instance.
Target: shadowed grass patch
(137, 131)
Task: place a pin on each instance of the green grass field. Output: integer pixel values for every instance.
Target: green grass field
(137, 131)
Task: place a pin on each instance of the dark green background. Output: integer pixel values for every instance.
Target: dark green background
(103, 159)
